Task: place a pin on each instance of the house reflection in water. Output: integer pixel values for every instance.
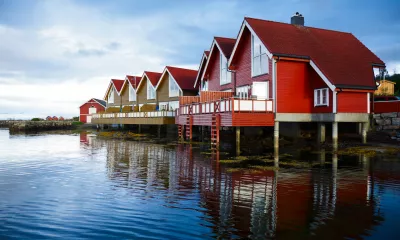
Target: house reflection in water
(327, 201)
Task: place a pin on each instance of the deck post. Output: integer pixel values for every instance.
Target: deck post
(158, 131)
(276, 135)
(202, 132)
(335, 135)
(359, 128)
(237, 141)
(139, 128)
(364, 132)
(321, 132)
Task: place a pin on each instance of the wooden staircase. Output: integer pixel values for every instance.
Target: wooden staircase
(215, 124)
(180, 132)
(189, 124)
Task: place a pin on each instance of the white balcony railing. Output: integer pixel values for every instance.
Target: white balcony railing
(228, 105)
(134, 115)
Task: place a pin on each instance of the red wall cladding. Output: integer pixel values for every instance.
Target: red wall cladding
(242, 64)
(84, 109)
(352, 102)
(294, 92)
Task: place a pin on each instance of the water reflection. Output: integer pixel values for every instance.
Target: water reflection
(330, 201)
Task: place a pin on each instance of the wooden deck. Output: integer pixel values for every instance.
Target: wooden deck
(142, 118)
(233, 112)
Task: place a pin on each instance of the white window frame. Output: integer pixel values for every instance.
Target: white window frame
(151, 92)
(263, 53)
(243, 92)
(223, 66)
(266, 84)
(111, 95)
(172, 82)
(319, 99)
(204, 86)
(132, 94)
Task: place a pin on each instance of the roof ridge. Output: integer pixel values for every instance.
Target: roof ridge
(324, 29)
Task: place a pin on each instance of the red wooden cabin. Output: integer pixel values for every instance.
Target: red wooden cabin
(49, 118)
(281, 72)
(92, 106)
(55, 118)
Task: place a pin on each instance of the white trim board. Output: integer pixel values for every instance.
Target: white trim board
(162, 75)
(324, 78)
(246, 24)
(203, 58)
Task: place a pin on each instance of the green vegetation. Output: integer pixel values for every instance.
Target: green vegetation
(37, 119)
(75, 119)
(77, 123)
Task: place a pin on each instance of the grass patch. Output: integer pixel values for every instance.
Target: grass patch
(77, 123)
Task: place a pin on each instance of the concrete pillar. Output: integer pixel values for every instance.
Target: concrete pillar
(364, 132)
(334, 136)
(359, 128)
(321, 132)
(237, 141)
(276, 157)
(276, 135)
(334, 164)
(322, 157)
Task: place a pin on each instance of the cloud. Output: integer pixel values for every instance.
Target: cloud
(58, 54)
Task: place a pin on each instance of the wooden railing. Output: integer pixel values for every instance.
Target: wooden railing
(135, 115)
(387, 106)
(227, 105)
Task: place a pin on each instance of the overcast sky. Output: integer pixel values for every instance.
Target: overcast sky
(55, 55)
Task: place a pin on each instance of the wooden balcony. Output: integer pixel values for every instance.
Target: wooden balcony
(143, 118)
(233, 112)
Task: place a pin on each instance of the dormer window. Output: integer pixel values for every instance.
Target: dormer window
(132, 94)
(151, 92)
(173, 87)
(111, 95)
(259, 59)
(225, 76)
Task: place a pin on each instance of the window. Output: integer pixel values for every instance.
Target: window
(242, 92)
(173, 87)
(321, 97)
(225, 76)
(111, 95)
(151, 92)
(173, 105)
(132, 94)
(260, 90)
(204, 86)
(259, 60)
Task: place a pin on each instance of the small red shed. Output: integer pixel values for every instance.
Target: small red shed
(49, 118)
(92, 106)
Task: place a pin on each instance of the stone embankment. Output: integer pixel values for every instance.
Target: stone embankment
(37, 126)
(5, 123)
(387, 121)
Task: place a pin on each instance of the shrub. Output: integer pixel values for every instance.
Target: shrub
(37, 119)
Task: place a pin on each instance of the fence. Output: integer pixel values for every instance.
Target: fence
(387, 106)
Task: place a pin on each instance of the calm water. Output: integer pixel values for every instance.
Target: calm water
(77, 186)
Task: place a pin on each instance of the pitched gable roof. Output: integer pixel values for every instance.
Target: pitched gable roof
(101, 102)
(339, 56)
(185, 78)
(133, 80)
(201, 68)
(225, 45)
(118, 84)
(153, 77)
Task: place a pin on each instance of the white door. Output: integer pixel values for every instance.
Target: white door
(92, 110)
(88, 119)
(260, 89)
